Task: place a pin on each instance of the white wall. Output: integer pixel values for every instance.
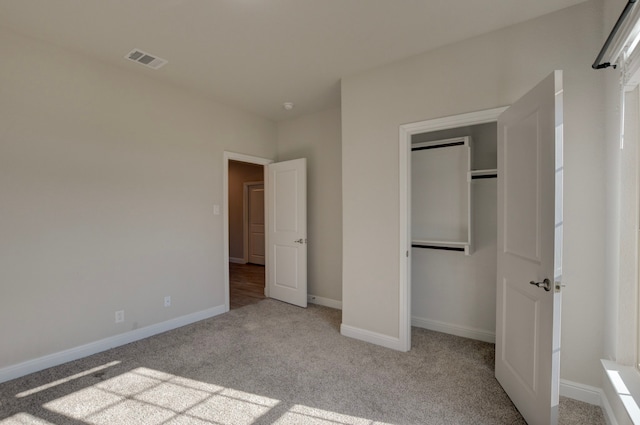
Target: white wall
(317, 137)
(485, 72)
(107, 185)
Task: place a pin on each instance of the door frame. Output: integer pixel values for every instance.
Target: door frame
(245, 217)
(406, 131)
(233, 156)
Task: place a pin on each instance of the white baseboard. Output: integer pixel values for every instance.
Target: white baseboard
(30, 366)
(237, 260)
(591, 395)
(449, 328)
(372, 337)
(326, 302)
(581, 392)
(622, 391)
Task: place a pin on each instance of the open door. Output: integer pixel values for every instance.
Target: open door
(287, 231)
(255, 223)
(530, 251)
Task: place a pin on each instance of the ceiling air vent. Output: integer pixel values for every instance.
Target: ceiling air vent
(146, 59)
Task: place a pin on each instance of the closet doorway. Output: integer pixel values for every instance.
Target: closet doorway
(449, 285)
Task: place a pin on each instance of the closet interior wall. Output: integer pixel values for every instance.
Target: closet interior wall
(453, 292)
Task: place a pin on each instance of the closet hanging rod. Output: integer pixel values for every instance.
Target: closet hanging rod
(444, 145)
(443, 248)
(484, 176)
(597, 64)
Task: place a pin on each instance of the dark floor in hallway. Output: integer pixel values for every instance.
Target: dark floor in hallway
(246, 284)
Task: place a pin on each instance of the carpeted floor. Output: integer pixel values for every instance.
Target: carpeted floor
(273, 363)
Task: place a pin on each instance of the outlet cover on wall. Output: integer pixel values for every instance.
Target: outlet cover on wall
(119, 316)
(167, 301)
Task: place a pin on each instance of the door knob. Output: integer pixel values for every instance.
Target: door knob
(546, 284)
(300, 241)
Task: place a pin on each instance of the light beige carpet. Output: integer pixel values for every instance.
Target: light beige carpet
(272, 363)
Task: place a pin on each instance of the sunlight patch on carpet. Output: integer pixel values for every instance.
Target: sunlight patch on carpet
(151, 397)
(67, 379)
(299, 414)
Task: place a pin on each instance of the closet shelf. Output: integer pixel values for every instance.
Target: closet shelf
(483, 174)
(442, 198)
(443, 245)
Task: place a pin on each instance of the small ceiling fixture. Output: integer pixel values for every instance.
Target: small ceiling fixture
(146, 59)
(287, 106)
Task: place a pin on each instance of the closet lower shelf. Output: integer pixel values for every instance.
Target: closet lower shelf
(442, 245)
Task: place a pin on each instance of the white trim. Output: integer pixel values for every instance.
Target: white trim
(625, 382)
(225, 210)
(406, 131)
(462, 120)
(237, 260)
(55, 359)
(581, 392)
(588, 394)
(371, 337)
(405, 240)
(450, 328)
(607, 410)
(326, 302)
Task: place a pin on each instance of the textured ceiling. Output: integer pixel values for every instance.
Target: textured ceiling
(257, 54)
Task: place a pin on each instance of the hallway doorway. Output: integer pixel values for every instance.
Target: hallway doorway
(246, 233)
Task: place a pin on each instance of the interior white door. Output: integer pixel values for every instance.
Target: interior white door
(255, 225)
(530, 251)
(287, 231)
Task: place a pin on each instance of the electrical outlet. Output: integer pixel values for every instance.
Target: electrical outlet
(119, 316)
(167, 301)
